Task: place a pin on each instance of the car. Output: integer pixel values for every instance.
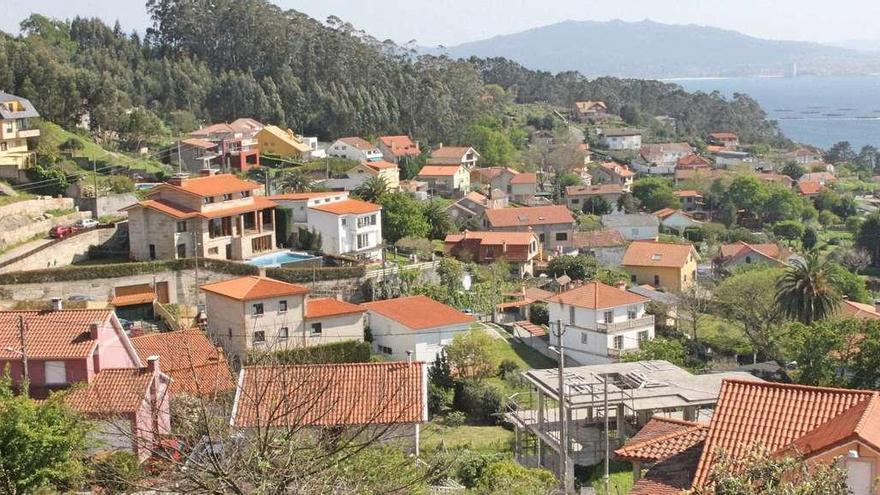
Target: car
(86, 223)
(62, 231)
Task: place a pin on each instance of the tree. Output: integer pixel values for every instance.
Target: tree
(294, 182)
(510, 478)
(49, 181)
(627, 203)
(438, 218)
(747, 298)
(853, 259)
(139, 126)
(470, 354)
(865, 363)
(489, 139)
(596, 205)
(450, 271)
(372, 190)
(749, 193)
(658, 349)
(693, 303)
(810, 238)
(43, 444)
(840, 152)
(805, 291)
(821, 350)
(72, 145)
(789, 230)
(847, 283)
(402, 216)
(793, 170)
(580, 267)
(868, 237)
(655, 194)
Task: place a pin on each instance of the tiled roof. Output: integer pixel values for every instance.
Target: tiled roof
(302, 196)
(741, 247)
(489, 173)
(328, 306)
(596, 295)
(288, 138)
(358, 142)
(617, 169)
(418, 312)
(347, 207)
(256, 203)
(494, 238)
(853, 309)
(199, 143)
(593, 190)
(694, 173)
(438, 170)
(213, 129)
(692, 160)
(211, 185)
(808, 188)
(817, 177)
(529, 215)
(687, 193)
(663, 254)
(330, 395)
(195, 366)
(62, 334)
(450, 152)
(659, 148)
(400, 145)
(621, 132)
(534, 330)
(165, 207)
(671, 476)
(524, 178)
(112, 391)
(583, 106)
(23, 107)
(776, 415)
(662, 438)
(253, 287)
(143, 297)
(665, 212)
(723, 135)
(379, 165)
(598, 238)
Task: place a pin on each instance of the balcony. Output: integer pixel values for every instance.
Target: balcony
(27, 133)
(645, 321)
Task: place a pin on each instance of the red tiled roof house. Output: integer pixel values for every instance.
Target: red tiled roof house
(517, 248)
(553, 224)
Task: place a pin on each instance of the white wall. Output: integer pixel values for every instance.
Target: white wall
(426, 344)
(595, 349)
(337, 238)
(227, 315)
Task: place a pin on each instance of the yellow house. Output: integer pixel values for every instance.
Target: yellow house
(273, 140)
(15, 127)
(663, 265)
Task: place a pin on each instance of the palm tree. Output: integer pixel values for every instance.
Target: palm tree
(805, 291)
(372, 189)
(438, 218)
(295, 182)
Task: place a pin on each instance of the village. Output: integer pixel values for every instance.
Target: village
(610, 308)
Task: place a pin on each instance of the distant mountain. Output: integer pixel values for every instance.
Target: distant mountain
(649, 49)
(863, 45)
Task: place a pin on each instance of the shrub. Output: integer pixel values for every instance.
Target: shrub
(470, 465)
(539, 314)
(507, 367)
(480, 401)
(509, 478)
(455, 419)
(439, 399)
(349, 351)
(117, 472)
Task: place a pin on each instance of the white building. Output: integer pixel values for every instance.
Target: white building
(364, 171)
(600, 322)
(633, 226)
(416, 323)
(354, 148)
(621, 139)
(350, 227)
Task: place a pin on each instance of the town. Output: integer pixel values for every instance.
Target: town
(566, 297)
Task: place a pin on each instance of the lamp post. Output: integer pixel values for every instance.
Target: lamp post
(567, 481)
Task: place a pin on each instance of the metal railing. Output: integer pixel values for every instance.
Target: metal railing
(626, 325)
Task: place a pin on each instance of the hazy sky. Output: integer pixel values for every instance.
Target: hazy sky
(449, 22)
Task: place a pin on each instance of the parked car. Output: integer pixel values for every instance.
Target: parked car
(62, 231)
(86, 223)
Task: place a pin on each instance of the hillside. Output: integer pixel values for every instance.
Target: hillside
(649, 49)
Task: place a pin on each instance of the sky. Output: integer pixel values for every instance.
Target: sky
(450, 22)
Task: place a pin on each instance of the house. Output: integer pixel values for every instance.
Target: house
(803, 156)
(386, 402)
(776, 178)
(474, 204)
(600, 322)
(450, 180)
(516, 308)
(487, 178)
(196, 367)
(584, 173)
(664, 154)
(725, 139)
(195, 154)
(16, 126)
(823, 178)
(621, 139)
(729, 158)
(315, 150)
(809, 189)
(415, 188)
(397, 148)
(579, 198)
(664, 300)
(690, 199)
(519, 249)
(676, 220)
(661, 264)
(354, 148)
(584, 111)
(742, 253)
(414, 327)
(523, 187)
(633, 226)
(216, 215)
(261, 314)
(236, 144)
(553, 224)
(606, 245)
(614, 173)
(364, 171)
(454, 155)
(692, 161)
(782, 418)
(272, 140)
(857, 310)
(298, 205)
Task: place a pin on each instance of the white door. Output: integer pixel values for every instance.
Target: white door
(858, 477)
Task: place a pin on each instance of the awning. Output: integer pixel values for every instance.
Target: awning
(146, 296)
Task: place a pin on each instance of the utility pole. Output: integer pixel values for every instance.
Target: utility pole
(22, 336)
(196, 254)
(179, 161)
(606, 478)
(567, 482)
(95, 174)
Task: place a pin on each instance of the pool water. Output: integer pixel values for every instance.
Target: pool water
(280, 258)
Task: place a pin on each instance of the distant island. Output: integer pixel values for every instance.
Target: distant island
(648, 49)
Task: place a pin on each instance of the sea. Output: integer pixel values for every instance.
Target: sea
(816, 110)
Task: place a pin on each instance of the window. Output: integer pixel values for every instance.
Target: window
(208, 200)
(635, 232)
(259, 337)
(632, 312)
(608, 316)
(227, 197)
(618, 342)
(541, 237)
(214, 250)
(343, 222)
(245, 194)
(584, 338)
(571, 311)
(367, 220)
(181, 226)
(656, 280)
(643, 336)
(229, 332)
(385, 350)
(632, 278)
(575, 201)
(283, 333)
(258, 309)
(56, 373)
(363, 240)
(317, 328)
(562, 236)
(282, 306)
(748, 259)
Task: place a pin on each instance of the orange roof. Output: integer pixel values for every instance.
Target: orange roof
(594, 190)
(662, 438)
(328, 306)
(809, 187)
(400, 145)
(211, 185)
(781, 416)
(723, 135)
(529, 215)
(663, 254)
(348, 207)
(257, 203)
(853, 309)
(213, 129)
(596, 295)
(253, 287)
(494, 238)
(450, 152)
(165, 207)
(438, 170)
(715, 148)
(665, 212)
(195, 366)
(418, 312)
(692, 160)
(112, 391)
(330, 395)
(617, 169)
(199, 143)
(741, 247)
(525, 178)
(301, 196)
(62, 334)
(357, 142)
(598, 238)
(489, 173)
(534, 330)
(688, 193)
(379, 165)
(142, 297)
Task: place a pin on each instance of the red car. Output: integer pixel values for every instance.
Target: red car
(61, 231)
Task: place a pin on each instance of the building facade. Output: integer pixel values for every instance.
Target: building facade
(17, 117)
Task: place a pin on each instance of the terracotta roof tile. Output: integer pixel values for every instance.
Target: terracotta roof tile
(524, 178)
(687, 193)
(853, 309)
(617, 169)
(253, 287)
(809, 188)
(301, 196)
(165, 207)
(650, 253)
(494, 238)
(534, 330)
(723, 135)
(400, 145)
(655, 446)
(529, 215)
(438, 170)
(693, 161)
(258, 203)
(456, 152)
(358, 142)
(112, 391)
(194, 364)
(418, 312)
(671, 476)
(665, 213)
(347, 207)
(199, 143)
(144, 297)
(379, 165)
(598, 238)
(741, 247)
(212, 185)
(594, 190)
(330, 394)
(62, 334)
(327, 306)
(596, 295)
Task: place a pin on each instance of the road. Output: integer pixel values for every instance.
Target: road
(24, 248)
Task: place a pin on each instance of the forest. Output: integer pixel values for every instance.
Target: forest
(217, 60)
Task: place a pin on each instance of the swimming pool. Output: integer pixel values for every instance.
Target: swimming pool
(280, 258)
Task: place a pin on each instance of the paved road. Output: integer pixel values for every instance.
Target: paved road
(24, 248)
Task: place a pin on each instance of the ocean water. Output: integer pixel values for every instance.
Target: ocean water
(813, 110)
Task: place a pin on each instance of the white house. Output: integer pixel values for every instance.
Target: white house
(599, 322)
(621, 139)
(416, 323)
(362, 172)
(454, 155)
(677, 220)
(354, 148)
(633, 226)
(449, 180)
(351, 227)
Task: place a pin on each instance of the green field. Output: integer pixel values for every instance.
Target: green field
(52, 136)
(723, 335)
(484, 438)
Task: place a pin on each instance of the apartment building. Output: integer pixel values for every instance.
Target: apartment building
(16, 126)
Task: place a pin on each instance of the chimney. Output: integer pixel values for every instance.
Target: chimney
(178, 179)
(621, 285)
(153, 364)
(93, 330)
(57, 304)
(261, 272)
(207, 172)
(465, 234)
(409, 355)
(439, 145)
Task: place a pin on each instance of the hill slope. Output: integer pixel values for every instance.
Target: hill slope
(649, 49)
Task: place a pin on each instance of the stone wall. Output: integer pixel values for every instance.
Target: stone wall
(108, 205)
(24, 220)
(62, 253)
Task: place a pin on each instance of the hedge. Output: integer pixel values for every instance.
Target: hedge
(299, 275)
(349, 351)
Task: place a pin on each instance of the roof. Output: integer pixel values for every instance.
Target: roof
(802, 152)
(620, 132)
(692, 160)
(141, 295)
(287, 137)
(809, 187)
(199, 143)
(598, 238)
(853, 309)
(662, 438)
(529, 215)
(211, 185)
(112, 391)
(723, 135)
(662, 254)
(534, 330)
(61, 334)
(596, 295)
(357, 142)
(780, 416)
(594, 190)
(195, 366)
(671, 476)
(665, 213)
(524, 178)
(253, 287)
(256, 203)
(589, 104)
(438, 170)
(618, 220)
(451, 152)
(400, 145)
(302, 196)
(379, 165)
(741, 248)
(347, 207)
(617, 169)
(165, 207)
(489, 173)
(818, 177)
(26, 109)
(220, 128)
(688, 193)
(494, 238)
(181, 213)
(654, 148)
(330, 394)
(324, 307)
(418, 312)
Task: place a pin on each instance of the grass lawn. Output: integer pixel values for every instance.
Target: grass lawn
(484, 438)
(619, 476)
(53, 136)
(723, 335)
(524, 356)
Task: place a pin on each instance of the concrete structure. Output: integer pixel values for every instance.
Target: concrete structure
(614, 173)
(803, 156)
(416, 324)
(606, 245)
(351, 227)
(580, 198)
(588, 110)
(553, 224)
(726, 139)
(523, 187)
(354, 148)
(664, 154)
(398, 148)
(633, 226)
(446, 180)
(218, 215)
(273, 140)
(486, 179)
(474, 204)
(235, 143)
(676, 220)
(600, 322)
(454, 155)
(364, 171)
(659, 264)
(519, 249)
(621, 139)
(16, 127)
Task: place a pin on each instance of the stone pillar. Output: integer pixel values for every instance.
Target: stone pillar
(637, 470)
(690, 413)
(258, 219)
(621, 420)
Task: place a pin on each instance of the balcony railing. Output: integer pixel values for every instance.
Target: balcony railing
(644, 321)
(28, 133)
